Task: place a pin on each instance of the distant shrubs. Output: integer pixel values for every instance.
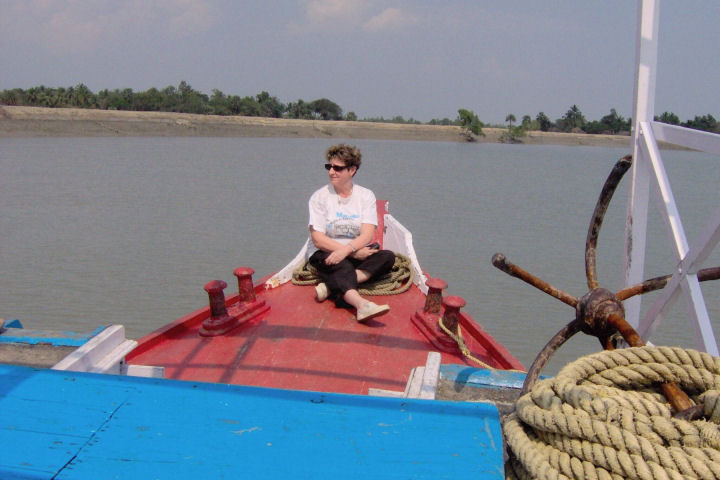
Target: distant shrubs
(470, 124)
(185, 99)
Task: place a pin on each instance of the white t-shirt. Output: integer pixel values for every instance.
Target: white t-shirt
(340, 218)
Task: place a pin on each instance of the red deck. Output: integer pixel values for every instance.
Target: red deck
(288, 340)
(293, 342)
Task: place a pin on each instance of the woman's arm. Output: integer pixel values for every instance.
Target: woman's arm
(323, 242)
(340, 250)
(367, 232)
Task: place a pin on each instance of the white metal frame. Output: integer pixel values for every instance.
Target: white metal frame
(649, 176)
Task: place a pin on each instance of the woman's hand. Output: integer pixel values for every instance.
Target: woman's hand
(338, 255)
(364, 253)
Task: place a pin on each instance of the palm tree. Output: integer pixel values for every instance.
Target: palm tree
(574, 118)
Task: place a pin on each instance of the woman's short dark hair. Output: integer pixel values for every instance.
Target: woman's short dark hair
(349, 154)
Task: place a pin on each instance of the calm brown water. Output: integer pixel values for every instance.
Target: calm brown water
(128, 230)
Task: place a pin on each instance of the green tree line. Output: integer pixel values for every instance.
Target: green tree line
(613, 124)
(186, 99)
(183, 99)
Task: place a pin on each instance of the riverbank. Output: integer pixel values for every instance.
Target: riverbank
(76, 122)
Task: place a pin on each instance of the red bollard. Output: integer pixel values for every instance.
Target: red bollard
(219, 322)
(246, 290)
(433, 299)
(426, 319)
(248, 307)
(452, 306)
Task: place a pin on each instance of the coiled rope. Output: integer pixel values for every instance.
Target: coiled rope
(603, 417)
(397, 281)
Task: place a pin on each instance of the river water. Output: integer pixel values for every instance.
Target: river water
(128, 230)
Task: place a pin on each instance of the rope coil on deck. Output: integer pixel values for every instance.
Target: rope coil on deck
(604, 416)
(397, 281)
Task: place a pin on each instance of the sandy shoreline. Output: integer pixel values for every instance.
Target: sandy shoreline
(75, 122)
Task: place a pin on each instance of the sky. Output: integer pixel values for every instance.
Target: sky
(417, 59)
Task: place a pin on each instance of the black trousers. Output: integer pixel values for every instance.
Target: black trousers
(341, 277)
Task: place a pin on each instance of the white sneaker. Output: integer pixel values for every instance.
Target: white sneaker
(371, 310)
(321, 292)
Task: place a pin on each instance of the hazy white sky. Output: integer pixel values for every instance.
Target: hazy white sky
(416, 58)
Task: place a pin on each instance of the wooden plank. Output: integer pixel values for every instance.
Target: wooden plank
(93, 353)
(79, 425)
(380, 392)
(112, 361)
(430, 376)
(142, 371)
(414, 384)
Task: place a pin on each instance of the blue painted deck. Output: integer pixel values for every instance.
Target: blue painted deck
(85, 426)
(482, 377)
(15, 333)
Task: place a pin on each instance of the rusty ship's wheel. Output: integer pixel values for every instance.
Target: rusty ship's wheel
(600, 312)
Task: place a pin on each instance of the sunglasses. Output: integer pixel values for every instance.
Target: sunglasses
(337, 168)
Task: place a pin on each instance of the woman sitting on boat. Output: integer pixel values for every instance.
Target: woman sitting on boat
(343, 219)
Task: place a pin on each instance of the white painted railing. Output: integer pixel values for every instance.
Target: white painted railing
(649, 176)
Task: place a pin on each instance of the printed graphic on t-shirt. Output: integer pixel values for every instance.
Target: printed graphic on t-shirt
(343, 225)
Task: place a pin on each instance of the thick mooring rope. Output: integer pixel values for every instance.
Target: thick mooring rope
(604, 416)
(397, 281)
(457, 336)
